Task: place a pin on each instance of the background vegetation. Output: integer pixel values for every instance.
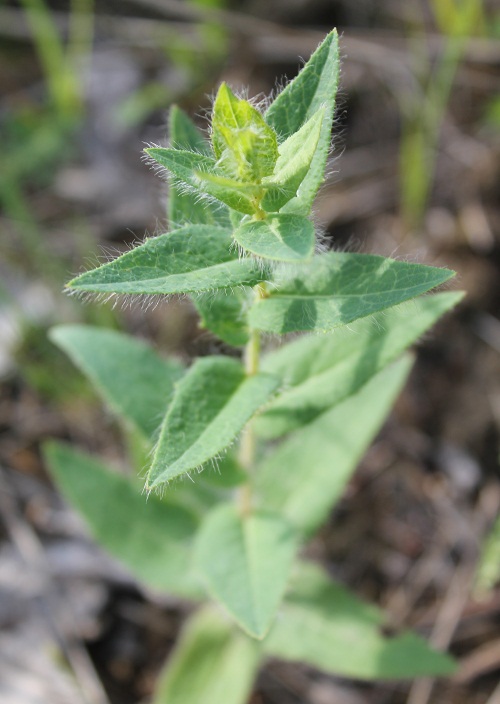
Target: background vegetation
(414, 174)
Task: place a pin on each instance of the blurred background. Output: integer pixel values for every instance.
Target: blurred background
(415, 173)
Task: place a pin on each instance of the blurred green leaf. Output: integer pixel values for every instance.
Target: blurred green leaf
(224, 313)
(245, 563)
(152, 538)
(132, 379)
(307, 473)
(212, 663)
(323, 625)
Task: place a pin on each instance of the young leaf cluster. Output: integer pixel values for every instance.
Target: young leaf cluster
(242, 245)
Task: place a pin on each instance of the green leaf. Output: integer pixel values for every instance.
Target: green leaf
(194, 170)
(245, 146)
(191, 259)
(320, 371)
(132, 379)
(313, 88)
(338, 287)
(211, 405)
(323, 625)
(224, 313)
(152, 538)
(212, 663)
(244, 563)
(295, 157)
(308, 472)
(187, 208)
(282, 237)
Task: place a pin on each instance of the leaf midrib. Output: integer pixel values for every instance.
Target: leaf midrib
(168, 276)
(292, 296)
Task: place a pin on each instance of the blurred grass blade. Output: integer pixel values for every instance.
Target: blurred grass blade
(62, 81)
(488, 572)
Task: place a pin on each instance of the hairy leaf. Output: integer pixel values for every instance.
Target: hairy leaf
(224, 313)
(212, 663)
(308, 472)
(152, 538)
(195, 169)
(315, 87)
(244, 563)
(338, 287)
(281, 237)
(320, 371)
(245, 146)
(325, 626)
(191, 259)
(295, 156)
(135, 382)
(211, 405)
(185, 207)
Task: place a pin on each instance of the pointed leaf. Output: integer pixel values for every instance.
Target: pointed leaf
(152, 538)
(184, 207)
(295, 157)
(338, 287)
(194, 258)
(211, 405)
(320, 371)
(193, 168)
(281, 237)
(308, 472)
(245, 563)
(135, 382)
(224, 313)
(323, 625)
(245, 146)
(212, 663)
(313, 88)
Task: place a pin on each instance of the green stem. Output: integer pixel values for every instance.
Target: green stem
(248, 440)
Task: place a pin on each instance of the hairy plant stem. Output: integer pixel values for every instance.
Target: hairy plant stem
(247, 443)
